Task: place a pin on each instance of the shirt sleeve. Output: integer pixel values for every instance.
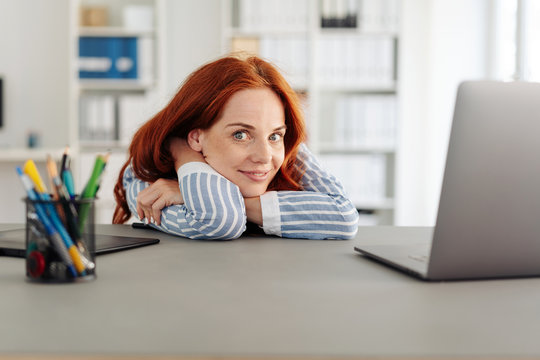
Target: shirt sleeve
(213, 207)
(321, 211)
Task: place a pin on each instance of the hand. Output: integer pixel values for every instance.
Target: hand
(160, 194)
(183, 153)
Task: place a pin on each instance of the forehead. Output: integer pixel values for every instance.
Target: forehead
(259, 106)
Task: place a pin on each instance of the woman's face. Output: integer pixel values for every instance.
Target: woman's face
(246, 144)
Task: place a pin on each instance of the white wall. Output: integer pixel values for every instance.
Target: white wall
(193, 38)
(34, 57)
(444, 42)
(411, 171)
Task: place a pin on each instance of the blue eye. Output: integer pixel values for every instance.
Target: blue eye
(240, 135)
(276, 137)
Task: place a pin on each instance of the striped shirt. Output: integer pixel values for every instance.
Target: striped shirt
(214, 207)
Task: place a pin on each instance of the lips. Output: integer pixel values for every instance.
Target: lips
(256, 175)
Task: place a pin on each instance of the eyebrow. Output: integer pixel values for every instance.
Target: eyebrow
(251, 127)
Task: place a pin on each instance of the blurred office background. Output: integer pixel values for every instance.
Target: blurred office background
(377, 78)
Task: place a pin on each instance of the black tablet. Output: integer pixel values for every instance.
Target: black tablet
(12, 243)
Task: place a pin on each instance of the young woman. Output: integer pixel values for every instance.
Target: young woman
(229, 149)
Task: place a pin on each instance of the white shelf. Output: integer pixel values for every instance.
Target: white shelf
(112, 31)
(357, 32)
(235, 32)
(390, 88)
(355, 149)
(92, 146)
(115, 84)
(23, 154)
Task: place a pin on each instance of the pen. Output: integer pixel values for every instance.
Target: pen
(70, 211)
(31, 170)
(62, 211)
(60, 193)
(64, 159)
(49, 228)
(65, 173)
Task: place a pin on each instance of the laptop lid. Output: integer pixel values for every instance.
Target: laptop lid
(12, 243)
(488, 222)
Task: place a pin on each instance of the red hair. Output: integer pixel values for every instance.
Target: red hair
(198, 105)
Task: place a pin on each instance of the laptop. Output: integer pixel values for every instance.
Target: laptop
(488, 221)
(12, 243)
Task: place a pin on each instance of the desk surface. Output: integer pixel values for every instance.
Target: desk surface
(264, 296)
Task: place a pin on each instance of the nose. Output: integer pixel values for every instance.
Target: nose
(261, 152)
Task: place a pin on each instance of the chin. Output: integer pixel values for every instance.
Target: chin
(247, 193)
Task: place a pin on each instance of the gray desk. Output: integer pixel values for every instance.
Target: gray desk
(264, 297)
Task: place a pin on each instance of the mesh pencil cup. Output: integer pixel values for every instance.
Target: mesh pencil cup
(60, 244)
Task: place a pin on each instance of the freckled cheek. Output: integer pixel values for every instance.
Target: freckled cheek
(278, 158)
(231, 159)
(221, 152)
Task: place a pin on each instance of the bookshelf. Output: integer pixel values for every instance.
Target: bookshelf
(117, 80)
(341, 56)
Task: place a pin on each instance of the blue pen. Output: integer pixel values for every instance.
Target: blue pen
(66, 175)
(67, 178)
(51, 231)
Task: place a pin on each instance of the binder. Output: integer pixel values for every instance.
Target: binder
(108, 57)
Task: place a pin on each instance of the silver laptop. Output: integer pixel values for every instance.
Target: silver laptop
(488, 223)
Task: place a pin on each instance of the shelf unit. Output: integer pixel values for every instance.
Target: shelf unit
(108, 110)
(347, 76)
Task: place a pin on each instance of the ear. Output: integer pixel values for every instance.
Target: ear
(194, 139)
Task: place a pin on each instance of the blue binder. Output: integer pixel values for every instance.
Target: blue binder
(108, 57)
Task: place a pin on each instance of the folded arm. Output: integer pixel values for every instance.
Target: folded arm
(321, 211)
(200, 204)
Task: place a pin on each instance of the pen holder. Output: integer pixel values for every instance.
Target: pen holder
(60, 240)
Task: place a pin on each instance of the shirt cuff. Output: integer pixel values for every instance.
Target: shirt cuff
(195, 167)
(270, 213)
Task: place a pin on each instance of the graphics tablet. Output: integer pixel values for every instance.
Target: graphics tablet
(12, 243)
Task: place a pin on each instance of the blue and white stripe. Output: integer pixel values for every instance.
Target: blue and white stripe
(213, 206)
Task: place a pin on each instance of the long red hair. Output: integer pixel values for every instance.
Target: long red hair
(198, 105)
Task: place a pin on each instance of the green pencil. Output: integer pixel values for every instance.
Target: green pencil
(91, 188)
